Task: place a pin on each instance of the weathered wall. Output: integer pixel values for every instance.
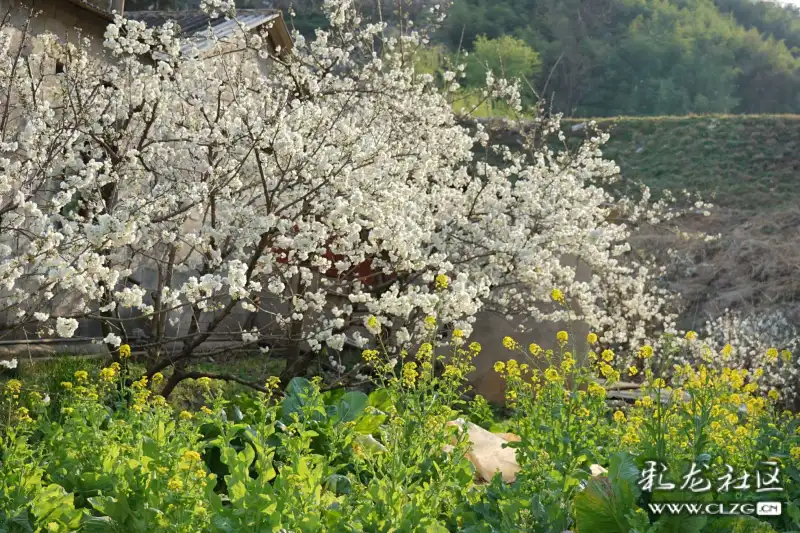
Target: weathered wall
(490, 329)
(66, 20)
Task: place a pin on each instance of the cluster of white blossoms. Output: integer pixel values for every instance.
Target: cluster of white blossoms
(331, 187)
(766, 340)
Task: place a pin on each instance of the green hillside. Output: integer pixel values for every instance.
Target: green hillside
(746, 162)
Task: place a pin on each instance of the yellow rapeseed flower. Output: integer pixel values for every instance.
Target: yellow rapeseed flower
(596, 390)
(373, 323)
(430, 323)
(551, 374)
(772, 354)
(773, 395)
(175, 484)
(369, 356)
(273, 382)
(158, 377)
(452, 372)
(607, 356)
(124, 351)
(632, 370)
(442, 282)
(562, 337)
(67, 385)
(23, 414)
(185, 415)
(499, 366)
(81, 376)
(591, 338)
(410, 373)
(13, 387)
(425, 351)
(619, 417)
(191, 456)
(691, 335)
(534, 349)
(795, 453)
(510, 343)
(512, 368)
(108, 374)
(726, 351)
(206, 410)
(646, 351)
(557, 296)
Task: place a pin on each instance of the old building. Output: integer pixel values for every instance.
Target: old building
(75, 19)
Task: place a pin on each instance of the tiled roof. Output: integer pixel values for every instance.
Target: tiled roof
(88, 6)
(195, 24)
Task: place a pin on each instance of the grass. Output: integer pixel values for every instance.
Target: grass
(744, 162)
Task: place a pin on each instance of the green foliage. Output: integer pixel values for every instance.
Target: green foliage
(343, 461)
(505, 56)
(646, 57)
(605, 503)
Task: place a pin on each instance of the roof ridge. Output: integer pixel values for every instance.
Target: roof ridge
(198, 10)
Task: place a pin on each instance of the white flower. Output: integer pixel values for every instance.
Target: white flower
(65, 327)
(113, 340)
(12, 364)
(373, 324)
(310, 203)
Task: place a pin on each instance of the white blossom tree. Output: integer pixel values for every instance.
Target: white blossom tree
(284, 206)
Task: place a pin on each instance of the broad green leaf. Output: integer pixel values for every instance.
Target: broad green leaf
(380, 399)
(99, 524)
(369, 443)
(605, 502)
(55, 503)
(351, 405)
(333, 396)
(297, 394)
(367, 424)
(338, 484)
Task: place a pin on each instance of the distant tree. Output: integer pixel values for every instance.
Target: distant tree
(609, 57)
(506, 56)
(770, 19)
